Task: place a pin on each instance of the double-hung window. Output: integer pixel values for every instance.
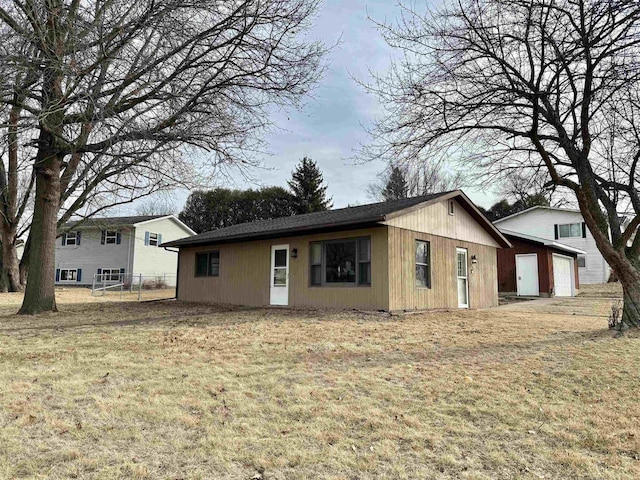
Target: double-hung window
(109, 237)
(208, 264)
(152, 239)
(423, 264)
(70, 238)
(340, 262)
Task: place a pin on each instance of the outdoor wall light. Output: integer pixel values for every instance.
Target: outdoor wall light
(294, 253)
(474, 259)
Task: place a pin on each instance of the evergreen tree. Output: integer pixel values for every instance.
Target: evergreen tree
(222, 207)
(503, 208)
(309, 192)
(396, 187)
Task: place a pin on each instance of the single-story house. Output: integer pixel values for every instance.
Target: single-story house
(114, 249)
(536, 266)
(435, 251)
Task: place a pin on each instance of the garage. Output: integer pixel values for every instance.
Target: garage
(562, 278)
(537, 267)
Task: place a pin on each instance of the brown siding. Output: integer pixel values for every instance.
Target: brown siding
(403, 293)
(507, 266)
(244, 274)
(435, 220)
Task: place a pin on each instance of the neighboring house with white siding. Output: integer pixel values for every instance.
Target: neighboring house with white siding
(117, 247)
(566, 226)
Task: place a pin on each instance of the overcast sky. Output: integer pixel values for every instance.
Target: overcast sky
(330, 127)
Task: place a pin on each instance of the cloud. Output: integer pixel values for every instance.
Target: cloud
(330, 126)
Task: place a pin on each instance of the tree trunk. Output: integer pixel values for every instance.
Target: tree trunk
(631, 311)
(628, 273)
(24, 262)
(40, 292)
(626, 268)
(10, 263)
(4, 283)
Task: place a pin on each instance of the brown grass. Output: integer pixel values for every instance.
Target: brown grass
(72, 295)
(167, 390)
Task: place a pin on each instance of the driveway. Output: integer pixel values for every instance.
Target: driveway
(593, 300)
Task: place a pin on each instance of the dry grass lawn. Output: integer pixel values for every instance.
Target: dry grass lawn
(108, 390)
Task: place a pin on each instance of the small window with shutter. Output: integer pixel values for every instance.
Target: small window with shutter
(152, 239)
(110, 237)
(70, 238)
(69, 275)
(569, 230)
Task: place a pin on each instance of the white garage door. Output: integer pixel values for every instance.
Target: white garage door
(562, 274)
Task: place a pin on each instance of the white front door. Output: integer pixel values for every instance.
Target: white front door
(527, 280)
(562, 276)
(279, 292)
(463, 278)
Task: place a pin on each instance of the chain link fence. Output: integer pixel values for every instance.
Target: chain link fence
(131, 286)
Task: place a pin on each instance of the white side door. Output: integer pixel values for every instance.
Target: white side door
(527, 280)
(279, 291)
(463, 277)
(562, 276)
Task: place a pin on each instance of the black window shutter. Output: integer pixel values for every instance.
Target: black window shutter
(57, 274)
(79, 276)
(118, 238)
(78, 238)
(102, 238)
(555, 230)
(99, 271)
(584, 230)
(64, 239)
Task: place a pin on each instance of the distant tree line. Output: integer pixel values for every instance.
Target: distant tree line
(222, 207)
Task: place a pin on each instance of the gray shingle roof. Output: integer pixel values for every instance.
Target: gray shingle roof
(111, 221)
(343, 217)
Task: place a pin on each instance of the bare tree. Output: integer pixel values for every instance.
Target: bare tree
(156, 207)
(416, 178)
(527, 86)
(536, 189)
(113, 92)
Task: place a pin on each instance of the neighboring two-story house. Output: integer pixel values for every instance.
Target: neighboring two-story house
(567, 227)
(116, 246)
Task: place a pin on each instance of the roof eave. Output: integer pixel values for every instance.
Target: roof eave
(566, 248)
(171, 217)
(543, 241)
(86, 226)
(284, 232)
